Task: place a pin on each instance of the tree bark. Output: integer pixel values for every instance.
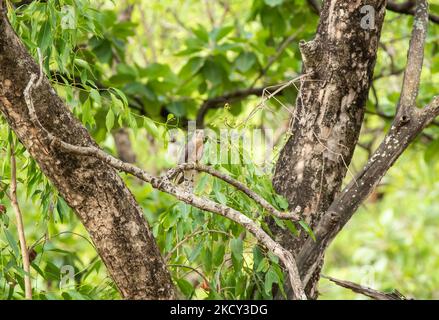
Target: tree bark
(123, 145)
(92, 189)
(407, 124)
(338, 64)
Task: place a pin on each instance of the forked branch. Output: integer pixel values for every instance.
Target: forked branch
(408, 123)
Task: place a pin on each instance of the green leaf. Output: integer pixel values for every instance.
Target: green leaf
(236, 246)
(307, 228)
(76, 295)
(218, 194)
(274, 21)
(263, 266)
(12, 242)
(103, 49)
(87, 115)
(218, 255)
(219, 33)
(37, 269)
(52, 272)
(177, 109)
(214, 72)
(122, 96)
(82, 63)
(201, 33)
(206, 256)
(270, 278)
(94, 94)
(116, 104)
(282, 202)
(44, 36)
(109, 120)
(273, 3)
(196, 252)
(186, 287)
(151, 127)
(191, 67)
(62, 208)
(245, 61)
(291, 227)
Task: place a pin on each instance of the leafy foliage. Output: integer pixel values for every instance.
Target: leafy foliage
(151, 73)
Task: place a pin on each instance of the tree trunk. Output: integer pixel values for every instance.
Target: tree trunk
(92, 189)
(123, 145)
(338, 64)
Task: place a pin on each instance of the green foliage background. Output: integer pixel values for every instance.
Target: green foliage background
(151, 74)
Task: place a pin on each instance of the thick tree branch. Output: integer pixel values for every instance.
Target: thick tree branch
(408, 8)
(342, 209)
(403, 8)
(415, 58)
(366, 291)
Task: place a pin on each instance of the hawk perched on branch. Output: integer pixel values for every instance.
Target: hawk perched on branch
(191, 153)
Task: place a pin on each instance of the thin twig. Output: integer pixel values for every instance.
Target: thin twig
(20, 226)
(190, 236)
(412, 74)
(191, 268)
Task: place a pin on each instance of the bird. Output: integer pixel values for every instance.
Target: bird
(191, 153)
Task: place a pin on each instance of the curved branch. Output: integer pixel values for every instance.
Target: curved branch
(191, 268)
(403, 8)
(366, 291)
(415, 59)
(163, 184)
(238, 185)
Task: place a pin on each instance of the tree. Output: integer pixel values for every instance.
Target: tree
(338, 66)
(91, 188)
(314, 162)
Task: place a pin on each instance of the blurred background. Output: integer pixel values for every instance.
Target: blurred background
(134, 72)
